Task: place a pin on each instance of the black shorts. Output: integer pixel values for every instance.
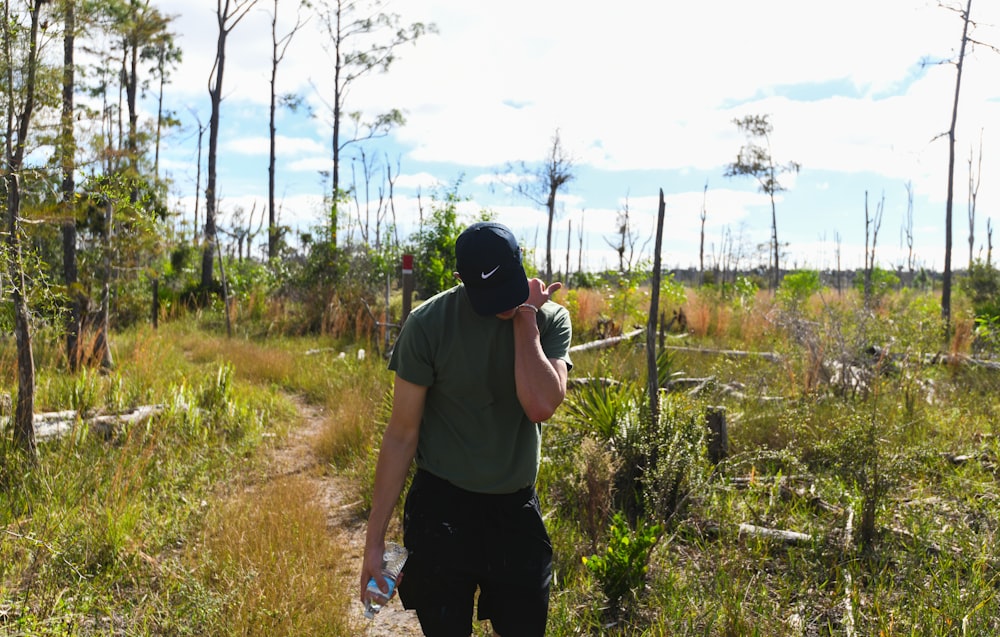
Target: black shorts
(460, 541)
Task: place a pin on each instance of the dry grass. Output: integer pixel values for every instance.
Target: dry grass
(276, 564)
(252, 362)
(356, 415)
(586, 306)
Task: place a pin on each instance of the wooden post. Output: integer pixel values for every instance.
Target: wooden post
(407, 287)
(718, 436)
(653, 377)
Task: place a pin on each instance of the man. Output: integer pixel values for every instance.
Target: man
(477, 368)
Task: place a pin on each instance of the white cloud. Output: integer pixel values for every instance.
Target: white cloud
(647, 86)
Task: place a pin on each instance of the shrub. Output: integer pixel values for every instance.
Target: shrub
(621, 570)
(797, 287)
(982, 286)
(882, 282)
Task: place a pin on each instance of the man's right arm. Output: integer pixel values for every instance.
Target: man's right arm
(399, 445)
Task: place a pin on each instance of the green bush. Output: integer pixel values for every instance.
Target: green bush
(621, 570)
(882, 282)
(982, 286)
(797, 287)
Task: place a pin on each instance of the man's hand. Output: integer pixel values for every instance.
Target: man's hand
(372, 567)
(539, 293)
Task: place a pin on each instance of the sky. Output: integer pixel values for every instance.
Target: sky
(644, 96)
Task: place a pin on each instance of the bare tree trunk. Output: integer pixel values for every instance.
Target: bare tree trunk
(197, 182)
(946, 277)
(24, 426)
(989, 242)
(776, 280)
(228, 13)
(272, 228)
(872, 225)
(338, 97)
(215, 93)
(278, 48)
(103, 341)
(908, 227)
(701, 245)
(653, 377)
(161, 64)
(974, 177)
(569, 238)
(15, 145)
(550, 205)
(67, 149)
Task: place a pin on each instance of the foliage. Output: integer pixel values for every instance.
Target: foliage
(628, 301)
(622, 569)
(797, 287)
(861, 451)
(672, 293)
(981, 284)
(674, 455)
(433, 246)
(883, 281)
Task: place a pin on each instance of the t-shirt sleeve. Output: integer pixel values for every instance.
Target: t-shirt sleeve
(411, 357)
(556, 335)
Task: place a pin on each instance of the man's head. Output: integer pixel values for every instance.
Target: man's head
(489, 264)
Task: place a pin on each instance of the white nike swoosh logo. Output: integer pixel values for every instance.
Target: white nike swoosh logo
(487, 275)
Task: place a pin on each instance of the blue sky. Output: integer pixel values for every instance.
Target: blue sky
(644, 95)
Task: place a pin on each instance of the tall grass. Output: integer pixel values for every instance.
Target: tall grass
(273, 565)
(146, 531)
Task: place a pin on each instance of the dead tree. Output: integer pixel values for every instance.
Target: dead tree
(229, 13)
(974, 176)
(872, 225)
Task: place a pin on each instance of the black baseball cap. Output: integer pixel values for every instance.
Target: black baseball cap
(489, 262)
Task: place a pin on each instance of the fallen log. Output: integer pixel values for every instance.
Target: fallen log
(788, 537)
(606, 343)
(731, 353)
(58, 423)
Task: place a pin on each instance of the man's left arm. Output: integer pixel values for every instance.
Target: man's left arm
(540, 381)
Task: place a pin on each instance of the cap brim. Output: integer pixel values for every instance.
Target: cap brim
(499, 299)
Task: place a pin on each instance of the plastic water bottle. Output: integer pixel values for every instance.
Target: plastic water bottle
(392, 564)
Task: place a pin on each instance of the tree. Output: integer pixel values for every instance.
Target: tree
(162, 50)
(20, 96)
(974, 177)
(908, 226)
(144, 34)
(701, 243)
(755, 160)
(966, 41)
(67, 158)
(279, 46)
(229, 14)
(625, 241)
(872, 225)
(542, 186)
(357, 47)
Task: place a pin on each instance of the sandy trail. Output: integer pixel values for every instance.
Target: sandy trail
(294, 455)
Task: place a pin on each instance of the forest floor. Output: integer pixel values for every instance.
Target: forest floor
(294, 455)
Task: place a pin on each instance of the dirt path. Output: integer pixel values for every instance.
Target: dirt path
(295, 456)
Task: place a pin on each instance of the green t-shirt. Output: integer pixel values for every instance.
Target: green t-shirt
(474, 432)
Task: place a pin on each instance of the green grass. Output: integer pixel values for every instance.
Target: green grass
(149, 532)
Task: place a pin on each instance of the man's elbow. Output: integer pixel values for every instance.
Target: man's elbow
(541, 410)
